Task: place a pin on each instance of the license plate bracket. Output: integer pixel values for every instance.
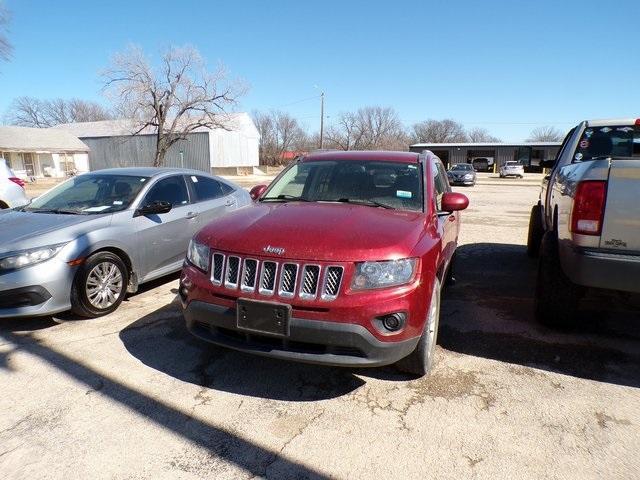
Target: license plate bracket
(268, 318)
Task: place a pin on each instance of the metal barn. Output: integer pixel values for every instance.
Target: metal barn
(222, 151)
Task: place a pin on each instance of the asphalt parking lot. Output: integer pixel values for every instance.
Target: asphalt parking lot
(133, 395)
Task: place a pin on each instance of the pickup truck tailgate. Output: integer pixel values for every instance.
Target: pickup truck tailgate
(621, 226)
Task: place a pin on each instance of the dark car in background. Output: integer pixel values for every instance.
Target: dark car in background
(462, 174)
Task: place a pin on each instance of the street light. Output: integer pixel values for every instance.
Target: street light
(321, 117)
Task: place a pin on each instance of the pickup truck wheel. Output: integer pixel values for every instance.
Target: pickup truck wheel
(99, 286)
(556, 297)
(420, 361)
(536, 231)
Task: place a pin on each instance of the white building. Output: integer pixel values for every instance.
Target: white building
(42, 152)
(222, 151)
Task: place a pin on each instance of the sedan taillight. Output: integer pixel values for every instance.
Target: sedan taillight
(588, 207)
(17, 180)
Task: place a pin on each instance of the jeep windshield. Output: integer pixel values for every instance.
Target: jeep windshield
(91, 193)
(609, 141)
(376, 184)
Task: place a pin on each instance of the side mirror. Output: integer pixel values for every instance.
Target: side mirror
(257, 191)
(453, 201)
(154, 208)
(547, 163)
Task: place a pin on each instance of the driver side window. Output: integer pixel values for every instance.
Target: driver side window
(172, 190)
(441, 182)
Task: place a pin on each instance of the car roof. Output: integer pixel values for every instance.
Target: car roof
(148, 171)
(372, 156)
(612, 122)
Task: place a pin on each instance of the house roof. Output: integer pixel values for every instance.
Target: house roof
(25, 139)
(125, 127)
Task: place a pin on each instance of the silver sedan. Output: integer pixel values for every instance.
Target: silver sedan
(86, 243)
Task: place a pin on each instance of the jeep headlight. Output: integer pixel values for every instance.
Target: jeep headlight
(198, 255)
(30, 257)
(390, 273)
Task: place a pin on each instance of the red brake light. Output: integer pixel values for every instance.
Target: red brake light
(17, 180)
(588, 207)
(637, 121)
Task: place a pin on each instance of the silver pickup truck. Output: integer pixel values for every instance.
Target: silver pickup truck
(586, 225)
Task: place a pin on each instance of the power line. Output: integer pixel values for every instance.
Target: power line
(299, 101)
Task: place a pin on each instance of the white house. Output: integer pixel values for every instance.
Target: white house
(42, 152)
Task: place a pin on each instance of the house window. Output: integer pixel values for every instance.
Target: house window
(7, 157)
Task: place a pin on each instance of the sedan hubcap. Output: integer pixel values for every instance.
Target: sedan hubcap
(104, 285)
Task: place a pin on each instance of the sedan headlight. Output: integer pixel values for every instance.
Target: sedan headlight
(389, 273)
(468, 176)
(198, 255)
(29, 257)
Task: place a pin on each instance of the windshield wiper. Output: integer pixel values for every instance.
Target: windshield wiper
(369, 203)
(55, 210)
(284, 197)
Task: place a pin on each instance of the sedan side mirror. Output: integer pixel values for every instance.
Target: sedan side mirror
(154, 208)
(453, 201)
(547, 163)
(257, 191)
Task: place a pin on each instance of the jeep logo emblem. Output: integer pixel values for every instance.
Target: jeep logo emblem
(276, 250)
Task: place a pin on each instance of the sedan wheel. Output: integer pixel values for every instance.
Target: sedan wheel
(100, 285)
(104, 285)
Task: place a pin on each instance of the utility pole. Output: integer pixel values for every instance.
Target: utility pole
(321, 120)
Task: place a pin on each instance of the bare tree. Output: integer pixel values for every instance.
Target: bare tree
(171, 100)
(279, 133)
(5, 46)
(34, 112)
(370, 128)
(481, 135)
(438, 131)
(545, 134)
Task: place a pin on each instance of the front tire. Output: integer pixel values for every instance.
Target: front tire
(420, 361)
(99, 286)
(556, 298)
(536, 231)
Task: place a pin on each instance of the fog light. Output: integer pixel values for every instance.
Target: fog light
(393, 322)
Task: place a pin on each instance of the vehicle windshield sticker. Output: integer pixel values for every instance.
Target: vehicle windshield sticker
(194, 179)
(584, 144)
(96, 209)
(412, 167)
(143, 180)
(578, 156)
(403, 194)
(605, 130)
(117, 202)
(588, 133)
(625, 129)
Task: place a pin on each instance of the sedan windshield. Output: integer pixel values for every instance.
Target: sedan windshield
(91, 193)
(377, 184)
(462, 166)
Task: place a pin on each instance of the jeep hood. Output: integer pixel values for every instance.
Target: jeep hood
(22, 230)
(316, 231)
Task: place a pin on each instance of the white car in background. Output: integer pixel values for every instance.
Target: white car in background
(512, 169)
(12, 192)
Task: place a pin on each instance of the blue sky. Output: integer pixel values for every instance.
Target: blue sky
(505, 65)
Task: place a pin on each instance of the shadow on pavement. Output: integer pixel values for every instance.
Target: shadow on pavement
(250, 457)
(161, 341)
(489, 313)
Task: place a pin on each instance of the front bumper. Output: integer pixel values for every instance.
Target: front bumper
(597, 269)
(462, 182)
(43, 289)
(310, 341)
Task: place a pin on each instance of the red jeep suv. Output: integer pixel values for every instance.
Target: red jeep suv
(340, 261)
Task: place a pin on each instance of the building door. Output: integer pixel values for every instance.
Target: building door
(29, 164)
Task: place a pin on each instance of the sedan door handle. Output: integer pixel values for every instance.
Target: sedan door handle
(191, 215)
(229, 203)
